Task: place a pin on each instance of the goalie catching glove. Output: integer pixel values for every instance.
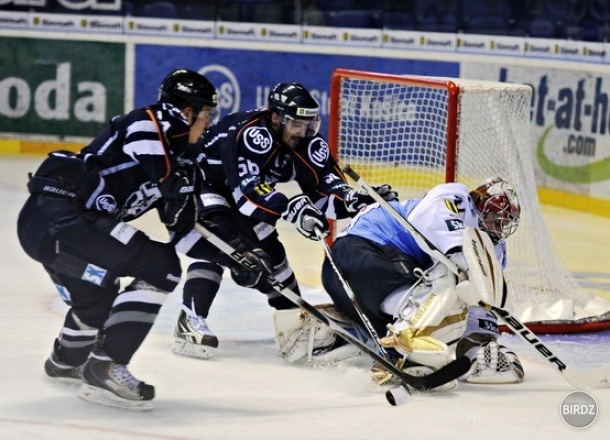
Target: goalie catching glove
(356, 199)
(306, 217)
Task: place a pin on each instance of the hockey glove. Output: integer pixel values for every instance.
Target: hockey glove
(356, 199)
(306, 217)
(254, 276)
(179, 210)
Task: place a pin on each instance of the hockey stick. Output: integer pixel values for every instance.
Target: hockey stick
(485, 273)
(350, 293)
(580, 379)
(433, 380)
(596, 378)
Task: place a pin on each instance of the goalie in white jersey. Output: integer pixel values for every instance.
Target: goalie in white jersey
(417, 303)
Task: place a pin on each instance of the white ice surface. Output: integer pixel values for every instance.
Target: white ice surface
(245, 391)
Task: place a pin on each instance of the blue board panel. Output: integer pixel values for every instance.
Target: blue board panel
(245, 77)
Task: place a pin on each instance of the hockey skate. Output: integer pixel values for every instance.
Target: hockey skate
(111, 384)
(193, 337)
(56, 368)
(494, 364)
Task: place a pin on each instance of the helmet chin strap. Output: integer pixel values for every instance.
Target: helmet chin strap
(281, 124)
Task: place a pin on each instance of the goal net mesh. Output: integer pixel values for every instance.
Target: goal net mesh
(417, 132)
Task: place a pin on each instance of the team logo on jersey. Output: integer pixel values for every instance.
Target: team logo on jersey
(245, 182)
(258, 139)
(454, 205)
(454, 224)
(262, 189)
(106, 203)
(318, 152)
(64, 293)
(94, 274)
(488, 325)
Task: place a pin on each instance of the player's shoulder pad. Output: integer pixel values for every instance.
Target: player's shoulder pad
(257, 138)
(452, 188)
(318, 151)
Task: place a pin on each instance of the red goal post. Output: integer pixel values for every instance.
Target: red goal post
(415, 132)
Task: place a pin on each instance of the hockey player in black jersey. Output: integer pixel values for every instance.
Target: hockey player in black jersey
(74, 224)
(243, 157)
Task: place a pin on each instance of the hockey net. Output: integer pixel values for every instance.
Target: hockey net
(416, 132)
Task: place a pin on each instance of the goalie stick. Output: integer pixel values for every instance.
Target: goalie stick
(585, 379)
(446, 374)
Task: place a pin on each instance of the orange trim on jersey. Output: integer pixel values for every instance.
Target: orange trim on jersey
(323, 194)
(186, 133)
(308, 166)
(339, 171)
(262, 208)
(162, 139)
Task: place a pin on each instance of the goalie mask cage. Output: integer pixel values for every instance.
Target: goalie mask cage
(416, 132)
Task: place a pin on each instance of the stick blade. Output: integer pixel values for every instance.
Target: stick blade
(588, 379)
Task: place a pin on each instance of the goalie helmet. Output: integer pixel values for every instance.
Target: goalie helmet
(293, 101)
(183, 87)
(498, 207)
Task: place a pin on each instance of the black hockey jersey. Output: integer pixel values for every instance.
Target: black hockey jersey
(243, 159)
(119, 171)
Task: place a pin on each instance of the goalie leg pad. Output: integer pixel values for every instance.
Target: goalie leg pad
(421, 331)
(298, 335)
(426, 322)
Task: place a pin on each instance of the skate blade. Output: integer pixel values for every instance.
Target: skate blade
(496, 379)
(104, 397)
(183, 348)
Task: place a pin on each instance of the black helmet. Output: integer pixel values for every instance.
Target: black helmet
(293, 100)
(183, 87)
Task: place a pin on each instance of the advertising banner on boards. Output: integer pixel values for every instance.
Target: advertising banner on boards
(60, 88)
(570, 128)
(244, 78)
